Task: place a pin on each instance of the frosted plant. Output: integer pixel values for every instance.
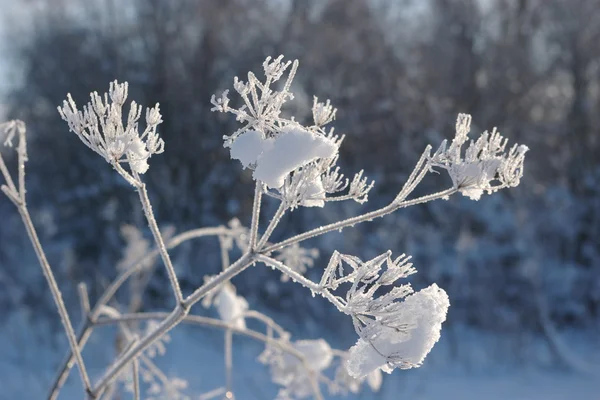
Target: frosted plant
(296, 161)
(100, 126)
(484, 161)
(296, 165)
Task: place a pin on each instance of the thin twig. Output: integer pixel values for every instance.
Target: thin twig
(176, 316)
(56, 294)
(224, 253)
(356, 220)
(84, 300)
(228, 362)
(258, 190)
(218, 324)
(272, 225)
(160, 244)
(136, 379)
(86, 330)
(296, 277)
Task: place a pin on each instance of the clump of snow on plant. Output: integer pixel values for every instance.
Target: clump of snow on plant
(231, 307)
(422, 314)
(275, 158)
(483, 163)
(296, 162)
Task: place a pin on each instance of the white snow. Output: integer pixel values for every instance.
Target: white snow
(231, 307)
(248, 147)
(28, 363)
(424, 312)
(276, 158)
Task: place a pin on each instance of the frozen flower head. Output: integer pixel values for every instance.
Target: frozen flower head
(101, 126)
(397, 328)
(296, 162)
(485, 166)
(294, 373)
(404, 345)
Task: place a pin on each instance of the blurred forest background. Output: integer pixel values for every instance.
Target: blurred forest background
(522, 263)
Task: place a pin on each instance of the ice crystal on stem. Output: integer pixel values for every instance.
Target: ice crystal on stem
(100, 126)
(483, 163)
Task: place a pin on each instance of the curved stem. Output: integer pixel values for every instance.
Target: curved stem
(229, 363)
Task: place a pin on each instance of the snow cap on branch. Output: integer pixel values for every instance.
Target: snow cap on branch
(296, 162)
(397, 328)
(405, 345)
(230, 306)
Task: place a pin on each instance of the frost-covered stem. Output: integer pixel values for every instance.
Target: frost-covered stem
(218, 324)
(136, 379)
(255, 215)
(356, 220)
(160, 244)
(108, 294)
(272, 225)
(224, 253)
(84, 300)
(126, 175)
(176, 316)
(84, 334)
(228, 363)
(7, 177)
(166, 325)
(416, 176)
(138, 265)
(240, 265)
(296, 277)
(56, 294)
(22, 158)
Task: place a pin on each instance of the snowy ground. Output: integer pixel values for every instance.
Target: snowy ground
(28, 361)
